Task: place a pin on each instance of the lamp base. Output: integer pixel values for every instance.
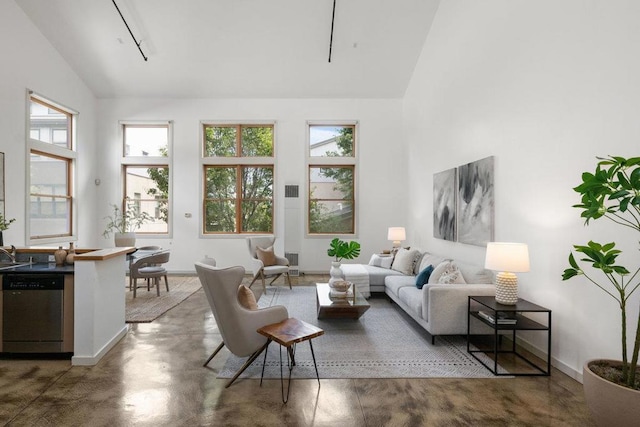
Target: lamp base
(506, 288)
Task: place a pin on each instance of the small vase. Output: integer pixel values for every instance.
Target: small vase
(335, 273)
(125, 239)
(71, 256)
(60, 255)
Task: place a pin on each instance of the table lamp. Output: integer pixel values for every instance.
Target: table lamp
(396, 235)
(507, 259)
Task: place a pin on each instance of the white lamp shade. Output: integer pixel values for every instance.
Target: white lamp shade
(396, 234)
(510, 257)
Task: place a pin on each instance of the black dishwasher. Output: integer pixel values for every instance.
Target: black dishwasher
(32, 315)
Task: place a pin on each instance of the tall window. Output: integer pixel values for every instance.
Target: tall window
(51, 162)
(331, 179)
(238, 167)
(146, 172)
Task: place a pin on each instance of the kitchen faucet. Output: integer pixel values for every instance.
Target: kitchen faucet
(11, 254)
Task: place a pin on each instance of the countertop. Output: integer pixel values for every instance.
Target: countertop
(39, 268)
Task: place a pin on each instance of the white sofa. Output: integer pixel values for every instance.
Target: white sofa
(441, 309)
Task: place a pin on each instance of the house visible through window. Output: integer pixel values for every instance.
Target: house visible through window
(331, 179)
(146, 173)
(51, 164)
(238, 173)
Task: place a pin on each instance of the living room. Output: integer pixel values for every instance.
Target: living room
(544, 87)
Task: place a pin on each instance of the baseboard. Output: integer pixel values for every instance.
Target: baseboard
(93, 360)
(559, 365)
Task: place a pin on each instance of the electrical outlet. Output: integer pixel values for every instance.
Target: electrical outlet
(52, 258)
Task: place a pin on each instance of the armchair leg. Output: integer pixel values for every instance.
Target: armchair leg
(247, 363)
(135, 286)
(255, 277)
(166, 282)
(264, 287)
(289, 279)
(214, 353)
(274, 279)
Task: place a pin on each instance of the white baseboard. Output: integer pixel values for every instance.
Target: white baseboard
(93, 360)
(559, 365)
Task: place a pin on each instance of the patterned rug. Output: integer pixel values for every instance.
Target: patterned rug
(383, 343)
(148, 306)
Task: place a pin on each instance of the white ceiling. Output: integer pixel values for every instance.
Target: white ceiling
(238, 48)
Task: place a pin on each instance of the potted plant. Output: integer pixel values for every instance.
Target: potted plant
(612, 388)
(339, 249)
(4, 225)
(123, 223)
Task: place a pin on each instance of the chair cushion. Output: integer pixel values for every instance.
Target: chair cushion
(156, 269)
(275, 269)
(266, 256)
(246, 298)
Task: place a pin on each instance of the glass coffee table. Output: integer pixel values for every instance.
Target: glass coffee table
(350, 307)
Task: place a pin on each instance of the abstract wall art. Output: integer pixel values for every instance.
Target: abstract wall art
(475, 202)
(444, 205)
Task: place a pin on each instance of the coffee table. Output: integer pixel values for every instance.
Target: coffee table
(351, 307)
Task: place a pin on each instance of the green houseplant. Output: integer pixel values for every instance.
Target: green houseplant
(339, 250)
(4, 225)
(611, 192)
(124, 222)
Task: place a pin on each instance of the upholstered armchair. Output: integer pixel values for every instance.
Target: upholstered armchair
(237, 324)
(264, 262)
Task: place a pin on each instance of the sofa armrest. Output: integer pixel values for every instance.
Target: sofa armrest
(446, 306)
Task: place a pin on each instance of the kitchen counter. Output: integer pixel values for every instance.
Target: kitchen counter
(39, 268)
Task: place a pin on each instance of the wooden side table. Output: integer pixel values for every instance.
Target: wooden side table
(288, 333)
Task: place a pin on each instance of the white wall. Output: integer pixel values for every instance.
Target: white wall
(544, 87)
(30, 62)
(380, 176)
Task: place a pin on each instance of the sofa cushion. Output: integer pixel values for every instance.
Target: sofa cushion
(475, 274)
(438, 270)
(430, 259)
(381, 261)
(452, 275)
(423, 276)
(412, 297)
(404, 260)
(378, 274)
(394, 283)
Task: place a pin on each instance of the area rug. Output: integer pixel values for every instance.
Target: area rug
(383, 343)
(148, 306)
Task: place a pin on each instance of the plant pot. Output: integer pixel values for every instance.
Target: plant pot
(610, 404)
(335, 273)
(125, 239)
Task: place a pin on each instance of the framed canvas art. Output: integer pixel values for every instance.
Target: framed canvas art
(444, 205)
(475, 204)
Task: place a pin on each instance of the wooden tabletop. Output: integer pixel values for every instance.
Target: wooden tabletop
(290, 331)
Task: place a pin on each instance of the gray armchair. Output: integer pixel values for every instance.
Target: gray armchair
(236, 324)
(259, 269)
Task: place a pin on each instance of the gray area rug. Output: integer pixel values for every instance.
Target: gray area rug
(147, 306)
(383, 343)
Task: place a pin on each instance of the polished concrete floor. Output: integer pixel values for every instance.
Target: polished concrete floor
(154, 377)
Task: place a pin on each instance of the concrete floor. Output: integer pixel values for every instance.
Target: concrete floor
(154, 376)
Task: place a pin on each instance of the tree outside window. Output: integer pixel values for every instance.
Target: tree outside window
(238, 197)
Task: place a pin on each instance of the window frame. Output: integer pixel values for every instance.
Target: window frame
(332, 162)
(52, 150)
(148, 162)
(238, 162)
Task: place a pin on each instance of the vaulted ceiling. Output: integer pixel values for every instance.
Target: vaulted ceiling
(238, 48)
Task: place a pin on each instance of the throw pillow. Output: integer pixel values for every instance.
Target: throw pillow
(404, 261)
(381, 261)
(246, 298)
(266, 256)
(451, 275)
(438, 270)
(423, 276)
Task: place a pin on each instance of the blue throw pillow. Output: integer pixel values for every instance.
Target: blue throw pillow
(423, 276)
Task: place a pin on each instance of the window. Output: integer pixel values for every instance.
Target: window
(146, 172)
(331, 180)
(238, 167)
(51, 164)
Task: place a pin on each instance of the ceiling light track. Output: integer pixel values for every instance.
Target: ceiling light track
(333, 17)
(136, 41)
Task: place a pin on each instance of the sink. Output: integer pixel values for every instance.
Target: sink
(11, 264)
